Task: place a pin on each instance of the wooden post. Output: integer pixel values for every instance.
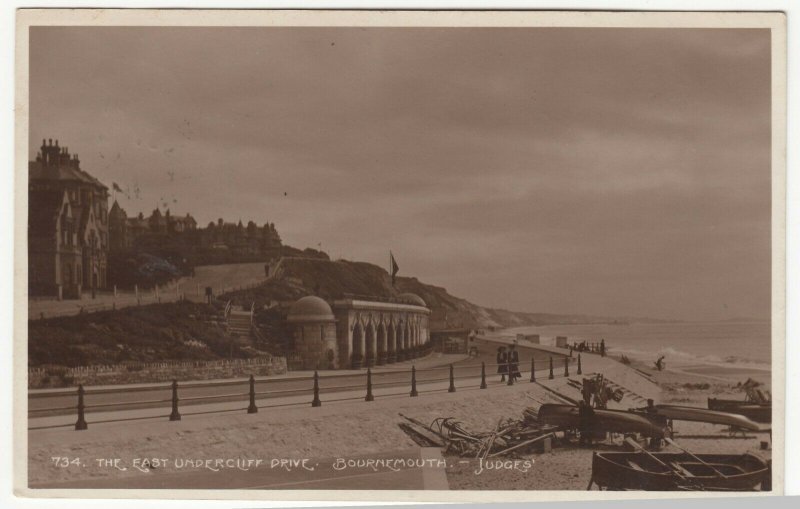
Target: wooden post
(115, 291)
(510, 374)
(580, 370)
(483, 375)
(136, 291)
(566, 366)
(175, 415)
(533, 370)
(452, 387)
(81, 423)
(414, 392)
(551, 376)
(316, 402)
(369, 396)
(252, 409)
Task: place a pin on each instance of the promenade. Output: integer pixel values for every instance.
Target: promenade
(345, 425)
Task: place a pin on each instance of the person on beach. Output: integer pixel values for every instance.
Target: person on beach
(602, 347)
(502, 363)
(660, 363)
(513, 362)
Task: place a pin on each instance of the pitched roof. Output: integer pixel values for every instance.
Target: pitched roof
(38, 171)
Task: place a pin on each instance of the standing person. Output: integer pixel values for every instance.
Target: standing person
(603, 347)
(513, 362)
(502, 363)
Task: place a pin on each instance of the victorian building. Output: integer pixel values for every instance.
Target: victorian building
(67, 225)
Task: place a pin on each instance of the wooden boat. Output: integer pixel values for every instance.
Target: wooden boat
(696, 414)
(754, 411)
(602, 421)
(673, 471)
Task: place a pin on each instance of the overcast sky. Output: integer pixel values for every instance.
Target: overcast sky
(603, 171)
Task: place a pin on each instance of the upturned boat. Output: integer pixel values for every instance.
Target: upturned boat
(677, 471)
(601, 421)
(754, 411)
(696, 414)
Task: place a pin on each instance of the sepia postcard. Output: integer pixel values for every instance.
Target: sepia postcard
(399, 255)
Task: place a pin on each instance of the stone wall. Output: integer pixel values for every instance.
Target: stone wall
(59, 376)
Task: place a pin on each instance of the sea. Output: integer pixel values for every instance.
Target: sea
(744, 344)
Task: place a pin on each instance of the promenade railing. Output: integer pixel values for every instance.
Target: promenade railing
(179, 398)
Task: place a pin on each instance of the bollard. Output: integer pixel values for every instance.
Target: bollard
(81, 422)
(566, 366)
(533, 370)
(414, 392)
(483, 375)
(316, 402)
(580, 370)
(175, 416)
(510, 375)
(252, 409)
(369, 396)
(551, 376)
(452, 387)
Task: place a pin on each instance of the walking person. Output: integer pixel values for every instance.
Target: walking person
(502, 363)
(513, 362)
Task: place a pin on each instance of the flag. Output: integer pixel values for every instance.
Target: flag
(393, 268)
(116, 187)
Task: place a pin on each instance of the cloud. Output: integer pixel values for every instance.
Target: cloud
(618, 171)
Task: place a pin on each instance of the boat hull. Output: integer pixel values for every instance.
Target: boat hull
(696, 414)
(640, 471)
(603, 421)
(758, 413)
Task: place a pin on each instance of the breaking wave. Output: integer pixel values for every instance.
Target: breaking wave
(682, 357)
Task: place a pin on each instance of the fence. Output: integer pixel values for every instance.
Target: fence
(42, 309)
(414, 382)
(599, 348)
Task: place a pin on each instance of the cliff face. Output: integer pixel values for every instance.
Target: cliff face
(296, 277)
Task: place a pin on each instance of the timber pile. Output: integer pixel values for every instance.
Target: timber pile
(509, 437)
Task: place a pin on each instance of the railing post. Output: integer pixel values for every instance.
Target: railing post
(252, 409)
(316, 402)
(580, 370)
(452, 387)
(175, 415)
(80, 424)
(369, 396)
(483, 375)
(414, 392)
(566, 366)
(533, 370)
(551, 376)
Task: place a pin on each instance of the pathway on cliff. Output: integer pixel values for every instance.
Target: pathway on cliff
(220, 278)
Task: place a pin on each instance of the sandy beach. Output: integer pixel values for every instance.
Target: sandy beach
(346, 430)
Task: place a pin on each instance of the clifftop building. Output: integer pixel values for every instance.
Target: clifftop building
(67, 225)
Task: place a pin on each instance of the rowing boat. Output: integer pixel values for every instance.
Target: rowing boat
(660, 471)
(601, 421)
